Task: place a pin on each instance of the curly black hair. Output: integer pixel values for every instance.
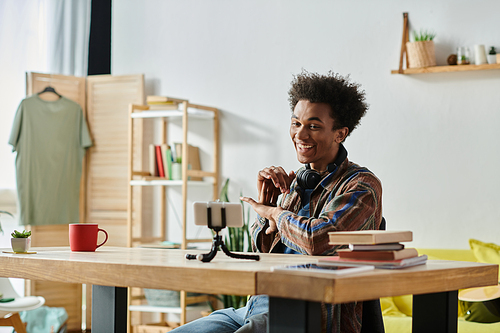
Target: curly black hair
(346, 99)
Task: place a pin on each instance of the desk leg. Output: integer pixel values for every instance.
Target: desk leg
(109, 309)
(435, 312)
(291, 316)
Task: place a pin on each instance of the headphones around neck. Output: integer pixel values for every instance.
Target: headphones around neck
(308, 178)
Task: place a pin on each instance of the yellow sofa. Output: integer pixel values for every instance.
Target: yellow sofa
(397, 310)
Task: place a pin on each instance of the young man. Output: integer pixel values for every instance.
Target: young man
(329, 193)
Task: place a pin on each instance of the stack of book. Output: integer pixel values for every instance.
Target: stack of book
(162, 156)
(163, 100)
(380, 248)
(160, 161)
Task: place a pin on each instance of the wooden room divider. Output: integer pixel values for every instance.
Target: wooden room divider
(105, 102)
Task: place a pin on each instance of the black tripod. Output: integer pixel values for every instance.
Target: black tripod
(218, 242)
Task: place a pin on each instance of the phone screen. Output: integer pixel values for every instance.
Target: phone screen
(233, 213)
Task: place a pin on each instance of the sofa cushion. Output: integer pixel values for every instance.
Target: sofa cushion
(488, 253)
(389, 308)
(448, 254)
(404, 304)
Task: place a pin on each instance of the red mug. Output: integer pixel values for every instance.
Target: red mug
(83, 237)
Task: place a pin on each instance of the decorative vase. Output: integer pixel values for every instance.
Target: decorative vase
(463, 56)
(421, 54)
(480, 55)
(20, 244)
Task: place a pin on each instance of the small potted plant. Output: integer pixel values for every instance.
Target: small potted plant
(421, 52)
(20, 241)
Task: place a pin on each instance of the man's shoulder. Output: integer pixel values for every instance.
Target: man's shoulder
(357, 172)
(354, 167)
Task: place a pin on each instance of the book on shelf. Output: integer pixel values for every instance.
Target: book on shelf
(152, 161)
(167, 160)
(386, 264)
(376, 247)
(153, 99)
(369, 237)
(378, 255)
(193, 158)
(159, 161)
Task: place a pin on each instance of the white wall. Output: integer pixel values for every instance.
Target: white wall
(431, 138)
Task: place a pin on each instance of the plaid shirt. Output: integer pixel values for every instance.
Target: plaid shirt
(348, 199)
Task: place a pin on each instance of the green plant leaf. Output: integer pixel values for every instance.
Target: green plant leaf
(4, 212)
(224, 192)
(24, 234)
(423, 35)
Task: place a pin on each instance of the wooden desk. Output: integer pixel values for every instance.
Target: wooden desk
(112, 269)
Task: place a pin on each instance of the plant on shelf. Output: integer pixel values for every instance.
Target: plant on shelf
(421, 52)
(4, 212)
(424, 35)
(20, 241)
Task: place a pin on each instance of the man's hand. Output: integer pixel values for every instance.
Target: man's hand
(271, 182)
(266, 211)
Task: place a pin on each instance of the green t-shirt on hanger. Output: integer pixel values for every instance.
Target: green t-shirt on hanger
(50, 138)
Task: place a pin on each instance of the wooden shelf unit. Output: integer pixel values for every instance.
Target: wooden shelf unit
(184, 110)
(176, 109)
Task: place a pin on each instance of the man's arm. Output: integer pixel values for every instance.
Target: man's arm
(357, 207)
(271, 182)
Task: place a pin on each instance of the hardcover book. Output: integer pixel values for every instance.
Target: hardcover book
(376, 247)
(378, 255)
(369, 237)
(159, 161)
(167, 164)
(388, 264)
(152, 99)
(152, 161)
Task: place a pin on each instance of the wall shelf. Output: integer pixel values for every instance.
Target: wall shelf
(446, 69)
(433, 69)
(165, 182)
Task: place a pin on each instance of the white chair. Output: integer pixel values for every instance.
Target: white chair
(9, 312)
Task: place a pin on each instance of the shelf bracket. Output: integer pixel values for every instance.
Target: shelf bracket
(405, 39)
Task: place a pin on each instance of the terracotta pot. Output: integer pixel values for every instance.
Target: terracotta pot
(421, 54)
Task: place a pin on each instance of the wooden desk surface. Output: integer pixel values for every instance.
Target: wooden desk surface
(168, 269)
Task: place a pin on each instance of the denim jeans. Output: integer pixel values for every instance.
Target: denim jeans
(250, 318)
